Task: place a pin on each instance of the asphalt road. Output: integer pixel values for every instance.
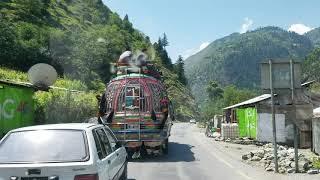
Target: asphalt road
(193, 156)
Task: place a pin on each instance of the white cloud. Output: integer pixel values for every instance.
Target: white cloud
(246, 25)
(299, 28)
(193, 51)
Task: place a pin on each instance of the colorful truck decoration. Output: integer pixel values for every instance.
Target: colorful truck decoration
(136, 107)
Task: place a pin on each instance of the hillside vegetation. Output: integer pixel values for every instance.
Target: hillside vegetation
(314, 36)
(235, 59)
(80, 38)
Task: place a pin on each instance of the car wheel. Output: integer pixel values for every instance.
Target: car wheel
(143, 151)
(124, 175)
(165, 147)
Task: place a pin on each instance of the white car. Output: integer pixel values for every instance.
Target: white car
(193, 121)
(62, 152)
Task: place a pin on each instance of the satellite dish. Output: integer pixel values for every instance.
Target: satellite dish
(42, 75)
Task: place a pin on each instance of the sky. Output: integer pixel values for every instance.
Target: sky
(191, 25)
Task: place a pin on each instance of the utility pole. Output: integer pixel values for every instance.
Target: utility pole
(275, 150)
(295, 127)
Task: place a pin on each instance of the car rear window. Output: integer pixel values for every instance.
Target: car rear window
(44, 146)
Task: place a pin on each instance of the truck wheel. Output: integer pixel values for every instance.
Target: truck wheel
(165, 147)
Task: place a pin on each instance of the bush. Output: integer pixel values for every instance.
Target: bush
(316, 162)
(62, 106)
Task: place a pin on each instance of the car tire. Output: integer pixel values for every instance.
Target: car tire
(124, 175)
(165, 148)
(143, 151)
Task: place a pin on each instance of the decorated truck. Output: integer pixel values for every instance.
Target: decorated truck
(136, 106)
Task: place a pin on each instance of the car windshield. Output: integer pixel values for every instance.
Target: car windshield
(44, 146)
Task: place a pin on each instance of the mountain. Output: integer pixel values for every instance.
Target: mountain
(80, 38)
(235, 59)
(314, 36)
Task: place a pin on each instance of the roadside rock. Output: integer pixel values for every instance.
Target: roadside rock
(290, 151)
(313, 171)
(269, 145)
(215, 135)
(259, 153)
(269, 169)
(281, 148)
(255, 158)
(303, 165)
(283, 153)
(291, 170)
(264, 157)
(245, 157)
(282, 170)
(287, 163)
(243, 141)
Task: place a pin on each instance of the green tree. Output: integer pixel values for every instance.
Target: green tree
(162, 52)
(233, 95)
(179, 67)
(212, 108)
(32, 7)
(214, 91)
(8, 45)
(311, 65)
(164, 40)
(127, 25)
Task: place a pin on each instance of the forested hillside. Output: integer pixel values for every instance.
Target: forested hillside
(314, 36)
(235, 59)
(80, 38)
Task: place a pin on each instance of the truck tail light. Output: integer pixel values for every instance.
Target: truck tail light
(87, 177)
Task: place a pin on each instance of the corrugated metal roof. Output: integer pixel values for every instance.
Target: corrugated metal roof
(15, 83)
(307, 83)
(250, 101)
(29, 85)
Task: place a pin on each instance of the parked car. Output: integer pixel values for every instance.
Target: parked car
(62, 152)
(193, 121)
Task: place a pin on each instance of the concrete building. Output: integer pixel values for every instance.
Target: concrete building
(254, 118)
(316, 131)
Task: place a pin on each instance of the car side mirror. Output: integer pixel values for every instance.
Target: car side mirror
(100, 154)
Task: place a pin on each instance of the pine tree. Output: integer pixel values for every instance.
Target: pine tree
(160, 46)
(164, 41)
(127, 25)
(162, 52)
(179, 67)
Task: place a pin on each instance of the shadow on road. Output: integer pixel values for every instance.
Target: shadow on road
(177, 153)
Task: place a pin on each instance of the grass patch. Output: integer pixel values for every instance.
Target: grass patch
(316, 162)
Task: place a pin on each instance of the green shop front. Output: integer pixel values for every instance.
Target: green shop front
(16, 106)
(247, 122)
(254, 119)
